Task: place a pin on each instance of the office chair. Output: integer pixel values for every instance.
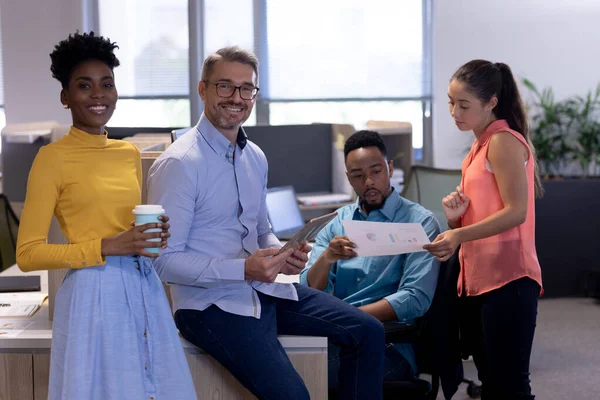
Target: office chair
(9, 226)
(437, 345)
(436, 340)
(427, 186)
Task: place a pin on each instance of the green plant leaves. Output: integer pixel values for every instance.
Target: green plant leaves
(564, 131)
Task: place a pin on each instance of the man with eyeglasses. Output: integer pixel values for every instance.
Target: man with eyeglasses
(222, 258)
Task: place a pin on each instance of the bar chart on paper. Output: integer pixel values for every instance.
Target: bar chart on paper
(385, 238)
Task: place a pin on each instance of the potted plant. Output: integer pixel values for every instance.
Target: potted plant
(586, 143)
(567, 138)
(565, 131)
(550, 128)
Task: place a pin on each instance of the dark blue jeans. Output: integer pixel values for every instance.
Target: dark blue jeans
(501, 325)
(249, 349)
(395, 366)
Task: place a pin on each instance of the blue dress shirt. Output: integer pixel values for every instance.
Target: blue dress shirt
(406, 281)
(214, 194)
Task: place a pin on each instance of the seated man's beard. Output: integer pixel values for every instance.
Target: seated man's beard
(371, 207)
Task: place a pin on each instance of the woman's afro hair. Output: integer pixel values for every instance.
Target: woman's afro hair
(78, 48)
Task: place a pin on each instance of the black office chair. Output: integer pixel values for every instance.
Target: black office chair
(436, 340)
(437, 345)
(9, 226)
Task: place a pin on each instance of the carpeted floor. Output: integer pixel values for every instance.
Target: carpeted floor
(565, 363)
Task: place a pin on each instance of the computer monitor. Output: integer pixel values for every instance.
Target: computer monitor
(283, 211)
(298, 155)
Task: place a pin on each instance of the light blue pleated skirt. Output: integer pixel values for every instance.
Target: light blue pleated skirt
(114, 337)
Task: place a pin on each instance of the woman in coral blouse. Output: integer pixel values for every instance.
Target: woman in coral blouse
(491, 216)
(113, 335)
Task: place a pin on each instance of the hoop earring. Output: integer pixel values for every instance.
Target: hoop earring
(66, 106)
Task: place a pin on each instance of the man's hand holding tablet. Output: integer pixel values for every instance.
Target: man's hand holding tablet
(308, 231)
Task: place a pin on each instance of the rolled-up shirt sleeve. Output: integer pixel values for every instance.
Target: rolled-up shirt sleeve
(418, 283)
(321, 243)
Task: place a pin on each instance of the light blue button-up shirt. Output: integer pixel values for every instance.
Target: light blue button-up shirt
(214, 194)
(406, 281)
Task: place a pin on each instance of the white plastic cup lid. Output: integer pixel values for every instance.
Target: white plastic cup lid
(148, 209)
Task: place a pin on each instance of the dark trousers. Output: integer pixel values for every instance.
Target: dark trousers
(395, 366)
(498, 329)
(249, 349)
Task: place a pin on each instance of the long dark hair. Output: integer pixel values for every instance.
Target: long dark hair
(485, 79)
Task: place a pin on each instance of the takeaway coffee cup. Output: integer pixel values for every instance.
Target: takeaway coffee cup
(149, 213)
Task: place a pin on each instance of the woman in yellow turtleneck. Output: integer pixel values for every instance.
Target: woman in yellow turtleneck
(113, 335)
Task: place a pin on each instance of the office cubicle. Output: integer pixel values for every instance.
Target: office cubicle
(310, 157)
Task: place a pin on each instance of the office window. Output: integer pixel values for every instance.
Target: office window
(151, 113)
(346, 61)
(369, 52)
(356, 113)
(344, 49)
(229, 23)
(2, 114)
(153, 79)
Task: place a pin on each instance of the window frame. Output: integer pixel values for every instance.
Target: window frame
(196, 22)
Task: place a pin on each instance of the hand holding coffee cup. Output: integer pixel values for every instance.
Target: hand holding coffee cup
(144, 238)
(152, 214)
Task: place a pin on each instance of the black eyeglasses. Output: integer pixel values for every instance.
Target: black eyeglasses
(226, 90)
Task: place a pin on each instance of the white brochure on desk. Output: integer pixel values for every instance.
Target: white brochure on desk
(23, 304)
(385, 238)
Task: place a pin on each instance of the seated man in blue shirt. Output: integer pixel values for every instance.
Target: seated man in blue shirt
(222, 258)
(399, 287)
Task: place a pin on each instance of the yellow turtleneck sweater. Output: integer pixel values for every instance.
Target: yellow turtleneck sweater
(91, 184)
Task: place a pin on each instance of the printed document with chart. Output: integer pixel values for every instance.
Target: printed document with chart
(385, 238)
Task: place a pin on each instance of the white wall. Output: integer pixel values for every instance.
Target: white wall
(551, 42)
(30, 29)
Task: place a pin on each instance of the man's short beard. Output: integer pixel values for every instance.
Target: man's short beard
(372, 207)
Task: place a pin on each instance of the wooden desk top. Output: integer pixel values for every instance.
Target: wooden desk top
(37, 338)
